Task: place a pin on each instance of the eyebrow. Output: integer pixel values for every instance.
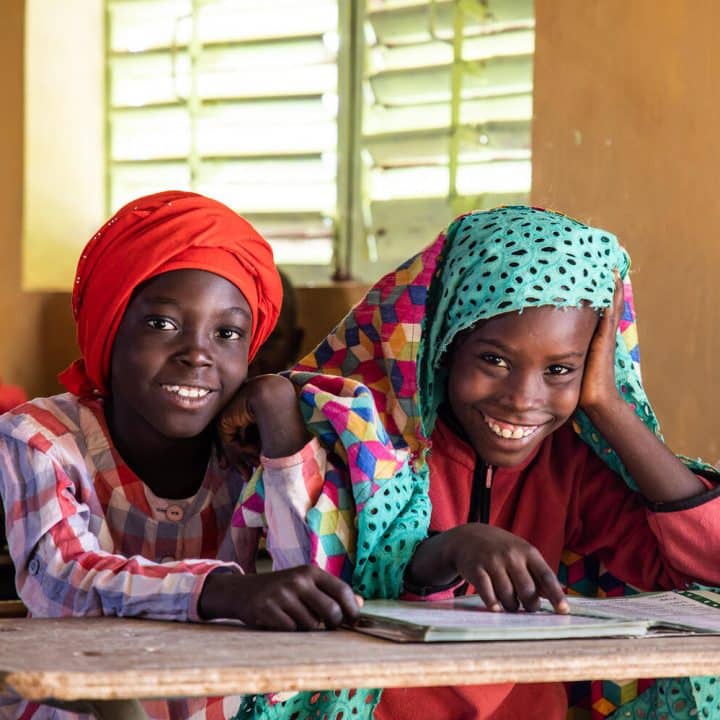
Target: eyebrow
(573, 354)
(159, 300)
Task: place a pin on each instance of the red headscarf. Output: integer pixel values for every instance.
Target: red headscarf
(154, 234)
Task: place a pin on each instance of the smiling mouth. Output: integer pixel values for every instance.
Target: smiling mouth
(508, 431)
(188, 395)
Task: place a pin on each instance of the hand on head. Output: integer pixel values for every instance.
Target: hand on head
(598, 386)
(301, 598)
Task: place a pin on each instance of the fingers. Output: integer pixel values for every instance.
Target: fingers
(619, 296)
(548, 585)
(508, 573)
(337, 602)
(611, 316)
(302, 598)
(485, 589)
(232, 423)
(514, 587)
(235, 417)
(277, 618)
(527, 591)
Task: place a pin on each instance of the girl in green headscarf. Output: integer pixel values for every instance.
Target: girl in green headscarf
(503, 359)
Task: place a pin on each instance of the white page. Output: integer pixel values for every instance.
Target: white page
(470, 612)
(673, 608)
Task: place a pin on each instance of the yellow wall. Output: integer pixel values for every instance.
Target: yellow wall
(21, 342)
(64, 195)
(625, 136)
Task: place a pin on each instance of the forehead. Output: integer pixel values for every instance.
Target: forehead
(547, 326)
(191, 288)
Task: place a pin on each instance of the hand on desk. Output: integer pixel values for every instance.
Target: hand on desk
(507, 571)
(301, 598)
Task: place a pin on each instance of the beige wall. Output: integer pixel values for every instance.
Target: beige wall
(626, 136)
(20, 360)
(64, 167)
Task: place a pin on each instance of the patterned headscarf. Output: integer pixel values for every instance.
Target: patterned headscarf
(513, 258)
(155, 234)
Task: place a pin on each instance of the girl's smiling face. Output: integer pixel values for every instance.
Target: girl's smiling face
(180, 354)
(516, 378)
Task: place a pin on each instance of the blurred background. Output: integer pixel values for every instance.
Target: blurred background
(351, 131)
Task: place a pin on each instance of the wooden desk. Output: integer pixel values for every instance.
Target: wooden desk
(110, 658)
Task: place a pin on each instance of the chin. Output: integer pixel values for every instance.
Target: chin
(505, 458)
(184, 430)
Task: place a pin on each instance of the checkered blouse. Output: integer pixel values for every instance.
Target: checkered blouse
(88, 537)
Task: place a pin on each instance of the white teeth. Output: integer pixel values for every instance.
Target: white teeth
(186, 391)
(516, 433)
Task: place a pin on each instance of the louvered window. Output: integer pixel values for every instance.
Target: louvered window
(347, 131)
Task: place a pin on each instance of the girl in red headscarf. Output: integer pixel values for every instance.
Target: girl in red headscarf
(117, 500)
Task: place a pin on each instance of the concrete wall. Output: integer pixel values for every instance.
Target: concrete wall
(625, 136)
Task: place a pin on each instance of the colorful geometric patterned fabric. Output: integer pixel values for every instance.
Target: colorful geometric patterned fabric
(344, 535)
(373, 504)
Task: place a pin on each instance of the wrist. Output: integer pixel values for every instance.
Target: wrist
(277, 414)
(434, 561)
(216, 591)
(606, 410)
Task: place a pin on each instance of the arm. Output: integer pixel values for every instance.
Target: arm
(295, 595)
(369, 529)
(660, 476)
(650, 549)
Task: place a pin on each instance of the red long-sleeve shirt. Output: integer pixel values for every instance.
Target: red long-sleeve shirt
(562, 497)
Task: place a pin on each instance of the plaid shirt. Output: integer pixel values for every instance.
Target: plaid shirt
(88, 537)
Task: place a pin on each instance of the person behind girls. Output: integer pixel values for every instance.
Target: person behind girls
(117, 499)
(498, 359)
(282, 348)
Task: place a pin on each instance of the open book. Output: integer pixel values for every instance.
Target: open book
(466, 618)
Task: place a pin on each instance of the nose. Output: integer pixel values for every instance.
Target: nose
(195, 348)
(524, 391)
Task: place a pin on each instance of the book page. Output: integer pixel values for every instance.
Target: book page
(470, 613)
(692, 609)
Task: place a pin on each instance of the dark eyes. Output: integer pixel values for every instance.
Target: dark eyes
(158, 323)
(497, 361)
(492, 359)
(164, 324)
(229, 334)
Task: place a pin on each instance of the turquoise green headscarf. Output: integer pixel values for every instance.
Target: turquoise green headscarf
(512, 258)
